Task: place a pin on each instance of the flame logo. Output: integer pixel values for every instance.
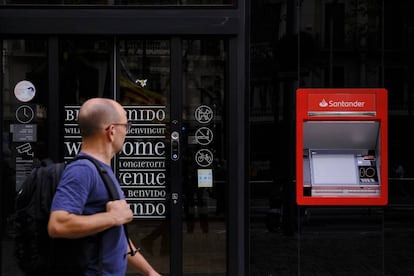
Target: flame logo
(323, 103)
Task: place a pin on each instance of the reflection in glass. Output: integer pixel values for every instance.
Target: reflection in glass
(144, 90)
(84, 69)
(204, 162)
(314, 44)
(144, 72)
(24, 61)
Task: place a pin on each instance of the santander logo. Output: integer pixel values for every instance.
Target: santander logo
(332, 103)
(323, 103)
(342, 101)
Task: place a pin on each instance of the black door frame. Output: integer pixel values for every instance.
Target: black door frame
(231, 22)
(176, 260)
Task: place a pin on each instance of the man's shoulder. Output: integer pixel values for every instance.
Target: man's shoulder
(80, 170)
(80, 164)
(92, 161)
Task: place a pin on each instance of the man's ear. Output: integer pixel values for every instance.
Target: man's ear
(110, 133)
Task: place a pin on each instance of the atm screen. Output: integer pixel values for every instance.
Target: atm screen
(341, 173)
(333, 169)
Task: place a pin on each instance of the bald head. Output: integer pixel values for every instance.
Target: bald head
(96, 114)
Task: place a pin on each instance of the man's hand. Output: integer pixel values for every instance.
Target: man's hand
(120, 211)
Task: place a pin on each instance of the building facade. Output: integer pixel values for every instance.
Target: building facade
(327, 44)
(209, 86)
(172, 65)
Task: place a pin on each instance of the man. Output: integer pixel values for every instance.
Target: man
(80, 206)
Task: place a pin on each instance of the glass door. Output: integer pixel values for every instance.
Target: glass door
(173, 166)
(143, 166)
(204, 157)
(24, 137)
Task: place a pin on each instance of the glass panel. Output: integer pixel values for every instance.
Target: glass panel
(398, 58)
(121, 2)
(144, 84)
(341, 44)
(205, 160)
(24, 92)
(85, 70)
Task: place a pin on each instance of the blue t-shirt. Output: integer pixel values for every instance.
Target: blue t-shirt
(82, 191)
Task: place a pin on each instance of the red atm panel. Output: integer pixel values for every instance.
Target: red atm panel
(341, 146)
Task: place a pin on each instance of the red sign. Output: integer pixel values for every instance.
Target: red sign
(341, 102)
(320, 114)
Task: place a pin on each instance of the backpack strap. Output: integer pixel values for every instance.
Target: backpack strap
(110, 186)
(113, 193)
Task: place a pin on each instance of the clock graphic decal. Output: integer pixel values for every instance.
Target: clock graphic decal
(24, 91)
(24, 114)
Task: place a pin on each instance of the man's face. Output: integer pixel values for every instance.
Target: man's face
(121, 131)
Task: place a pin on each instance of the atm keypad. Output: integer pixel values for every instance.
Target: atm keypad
(368, 175)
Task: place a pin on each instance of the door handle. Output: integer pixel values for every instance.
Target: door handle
(175, 146)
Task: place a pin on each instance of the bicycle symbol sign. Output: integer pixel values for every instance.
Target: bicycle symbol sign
(204, 157)
(203, 114)
(204, 136)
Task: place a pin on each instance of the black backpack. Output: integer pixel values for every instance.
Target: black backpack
(36, 253)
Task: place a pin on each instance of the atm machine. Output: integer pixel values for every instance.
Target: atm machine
(341, 146)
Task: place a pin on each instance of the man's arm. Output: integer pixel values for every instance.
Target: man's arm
(139, 263)
(63, 224)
